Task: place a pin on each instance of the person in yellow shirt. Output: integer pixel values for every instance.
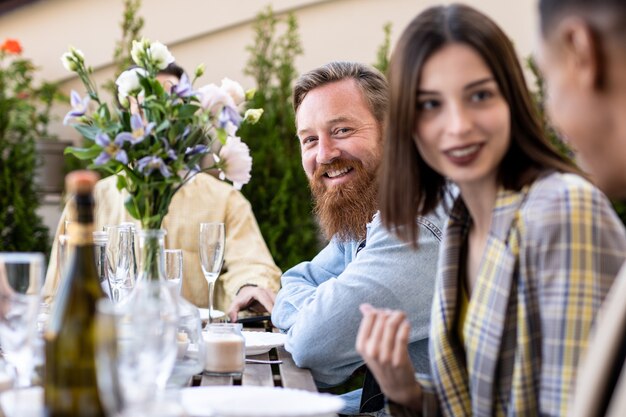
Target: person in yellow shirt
(249, 277)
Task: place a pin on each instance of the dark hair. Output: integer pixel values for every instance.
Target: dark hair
(409, 187)
(611, 12)
(371, 82)
(173, 69)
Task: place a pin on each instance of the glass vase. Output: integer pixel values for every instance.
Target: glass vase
(148, 329)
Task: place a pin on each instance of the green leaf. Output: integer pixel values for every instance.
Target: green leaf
(187, 110)
(88, 132)
(83, 153)
(132, 208)
(121, 182)
(222, 136)
(163, 126)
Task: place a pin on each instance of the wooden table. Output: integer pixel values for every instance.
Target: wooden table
(286, 374)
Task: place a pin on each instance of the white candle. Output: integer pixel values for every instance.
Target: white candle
(224, 351)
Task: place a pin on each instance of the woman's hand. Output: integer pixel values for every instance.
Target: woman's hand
(382, 341)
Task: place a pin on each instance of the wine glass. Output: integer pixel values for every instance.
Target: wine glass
(174, 267)
(21, 280)
(109, 383)
(119, 261)
(135, 350)
(212, 242)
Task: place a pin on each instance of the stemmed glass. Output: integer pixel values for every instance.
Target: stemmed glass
(174, 267)
(212, 242)
(120, 260)
(135, 356)
(21, 280)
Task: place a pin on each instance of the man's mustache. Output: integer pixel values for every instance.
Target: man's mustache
(335, 165)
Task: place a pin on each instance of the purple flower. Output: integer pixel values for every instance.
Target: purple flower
(229, 114)
(196, 150)
(110, 149)
(171, 154)
(148, 164)
(79, 106)
(183, 88)
(139, 130)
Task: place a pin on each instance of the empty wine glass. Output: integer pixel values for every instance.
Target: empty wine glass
(120, 261)
(136, 349)
(100, 240)
(212, 242)
(63, 253)
(109, 384)
(21, 280)
(174, 267)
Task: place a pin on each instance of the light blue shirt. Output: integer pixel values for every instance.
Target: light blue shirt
(318, 305)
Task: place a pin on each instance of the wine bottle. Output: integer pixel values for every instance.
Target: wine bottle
(70, 384)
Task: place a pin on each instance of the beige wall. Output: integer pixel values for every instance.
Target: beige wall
(216, 33)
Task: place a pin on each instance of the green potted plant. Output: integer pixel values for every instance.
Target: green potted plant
(21, 229)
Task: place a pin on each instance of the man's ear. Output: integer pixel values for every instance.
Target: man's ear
(582, 47)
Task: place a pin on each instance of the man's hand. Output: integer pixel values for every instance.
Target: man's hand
(254, 298)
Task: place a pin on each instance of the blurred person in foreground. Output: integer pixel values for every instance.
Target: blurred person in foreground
(340, 108)
(583, 59)
(249, 277)
(530, 250)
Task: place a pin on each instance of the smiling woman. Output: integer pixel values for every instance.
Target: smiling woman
(511, 280)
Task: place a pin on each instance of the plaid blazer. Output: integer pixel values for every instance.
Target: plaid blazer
(552, 254)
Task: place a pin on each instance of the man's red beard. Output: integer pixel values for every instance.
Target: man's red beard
(344, 210)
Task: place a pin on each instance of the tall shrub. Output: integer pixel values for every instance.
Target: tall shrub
(279, 191)
(384, 50)
(21, 120)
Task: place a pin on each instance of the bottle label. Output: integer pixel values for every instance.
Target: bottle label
(81, 234)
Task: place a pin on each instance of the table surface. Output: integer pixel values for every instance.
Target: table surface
(286, 374)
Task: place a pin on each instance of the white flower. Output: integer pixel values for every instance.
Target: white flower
(138, 51)
(214, 98)
(160, 55)
(253, 115)
(235, 90)
(78, 54)
(199, 71)
(71, 59)
(68, 62)
(123, 100)
(236, 162)
(128, 82)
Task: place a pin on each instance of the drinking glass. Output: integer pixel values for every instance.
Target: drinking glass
(212, 242)
(120, 261)
(100, 240)
(109, 384)
(63, 253)
(174, 267)
(136, 350)
(21, 280)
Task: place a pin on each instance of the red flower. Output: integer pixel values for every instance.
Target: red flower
(11, 46)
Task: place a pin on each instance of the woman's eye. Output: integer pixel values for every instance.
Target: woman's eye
(426, 105)
(481, 95)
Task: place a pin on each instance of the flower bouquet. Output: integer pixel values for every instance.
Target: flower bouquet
(156, 137)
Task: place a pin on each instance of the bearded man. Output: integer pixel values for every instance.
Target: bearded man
(340, 111)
